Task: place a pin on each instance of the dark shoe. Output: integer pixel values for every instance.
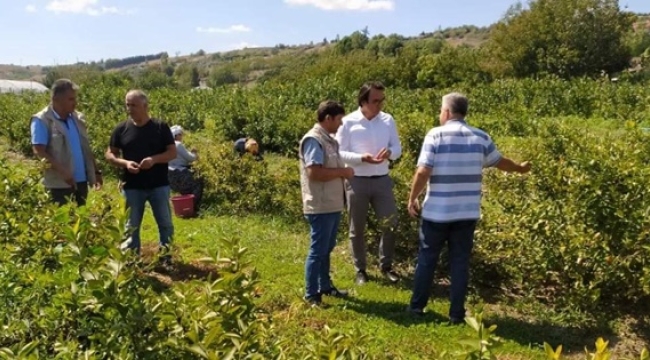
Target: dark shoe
(361, 278)
(166, 261)
(390, 275)
(314, 301)
(456, 321)
(335, 292)
(416, 312)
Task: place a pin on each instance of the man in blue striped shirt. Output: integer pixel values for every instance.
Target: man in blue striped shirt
(451, 162)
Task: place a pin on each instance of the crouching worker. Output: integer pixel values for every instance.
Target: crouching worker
(321, 178)
(181, 177)
(248, 146)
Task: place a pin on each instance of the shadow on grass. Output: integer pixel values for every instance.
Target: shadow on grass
(163, 277)
(534, 334)
(642, 324)
(528, 334)
(392, 311)
(520, 329)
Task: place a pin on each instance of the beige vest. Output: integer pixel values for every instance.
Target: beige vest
(320, 197)
(59, 147)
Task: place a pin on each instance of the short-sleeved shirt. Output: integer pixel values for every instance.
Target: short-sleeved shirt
(41, 136)
(457, 154)
(139, 142)
(312, 152)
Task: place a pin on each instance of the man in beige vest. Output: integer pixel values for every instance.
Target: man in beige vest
(60, 137)
(321, 178)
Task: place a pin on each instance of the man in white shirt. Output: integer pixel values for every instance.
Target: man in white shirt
(368, 139)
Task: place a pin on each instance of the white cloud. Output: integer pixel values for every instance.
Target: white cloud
(30, 8)
(228, 30)
(90, 7)
(356, 5)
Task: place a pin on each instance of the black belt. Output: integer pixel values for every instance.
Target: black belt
(371, 177)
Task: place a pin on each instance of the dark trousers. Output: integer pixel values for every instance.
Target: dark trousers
(63, 196)
(186, 182)
(459, 236)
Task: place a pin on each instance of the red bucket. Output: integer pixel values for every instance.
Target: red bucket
(183, 205)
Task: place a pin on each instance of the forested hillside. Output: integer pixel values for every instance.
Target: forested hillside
(258, 64)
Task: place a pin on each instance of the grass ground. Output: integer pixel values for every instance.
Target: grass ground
(277, 249)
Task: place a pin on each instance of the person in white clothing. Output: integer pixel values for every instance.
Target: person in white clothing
(182, 179)
(368, 140)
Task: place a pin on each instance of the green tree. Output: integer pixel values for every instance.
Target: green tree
(152, 78)
(80, 74)
(563, 37)
(187, 76)
(390, 45)
(50, 77)
(222, 75)
(452, 66)
(355, 41)
(639, 42)
(375, 43)
(431, 45)
(164, 59)
(405, 67)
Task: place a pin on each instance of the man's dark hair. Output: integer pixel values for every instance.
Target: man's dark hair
(364, 92)
(62, 86)
(331, 108)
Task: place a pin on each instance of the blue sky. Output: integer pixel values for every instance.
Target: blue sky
(48, 32)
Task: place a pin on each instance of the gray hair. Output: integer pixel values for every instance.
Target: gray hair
(139, 94)
(456, 103)
(62, 86)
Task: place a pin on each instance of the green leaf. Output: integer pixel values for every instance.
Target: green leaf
(198, 350)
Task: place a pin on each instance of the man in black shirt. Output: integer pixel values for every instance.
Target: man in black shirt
(146, 146)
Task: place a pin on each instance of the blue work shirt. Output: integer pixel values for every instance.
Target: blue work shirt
(41, 136)
(312, 152)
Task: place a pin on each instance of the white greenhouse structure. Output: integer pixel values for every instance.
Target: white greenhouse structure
(15, 86)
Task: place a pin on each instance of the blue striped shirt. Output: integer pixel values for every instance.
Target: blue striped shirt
(457, 154)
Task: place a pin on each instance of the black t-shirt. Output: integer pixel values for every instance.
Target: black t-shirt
(137, 143)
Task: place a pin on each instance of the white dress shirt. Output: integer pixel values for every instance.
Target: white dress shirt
(358, 136)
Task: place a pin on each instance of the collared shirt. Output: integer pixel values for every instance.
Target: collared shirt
(41, 136)
(312, 152)
(358, 136)
(457, 154)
